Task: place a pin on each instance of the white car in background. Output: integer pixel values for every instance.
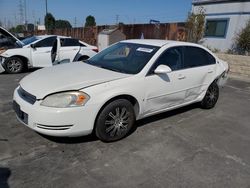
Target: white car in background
(35, 51)
(127, 81)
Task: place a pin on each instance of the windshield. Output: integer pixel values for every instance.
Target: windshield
(123, 57)
(29, 40)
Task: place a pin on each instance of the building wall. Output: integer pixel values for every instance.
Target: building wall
(239, 65)
(237, 14)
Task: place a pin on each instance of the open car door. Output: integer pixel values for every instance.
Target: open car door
(55, 57)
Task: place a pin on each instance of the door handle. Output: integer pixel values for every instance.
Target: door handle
(181, 77)
(210, 71)
(47, 51)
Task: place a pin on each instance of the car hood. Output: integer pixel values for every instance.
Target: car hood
(7, 34)
(65, 77)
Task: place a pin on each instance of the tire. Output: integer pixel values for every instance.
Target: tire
(115, 121)
(211, 96)
(14, 65)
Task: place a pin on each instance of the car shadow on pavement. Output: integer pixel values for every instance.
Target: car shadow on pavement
(30, 70)
(4, 176)
(71, 140)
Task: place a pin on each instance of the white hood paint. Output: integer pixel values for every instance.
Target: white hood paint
(8, 34)
(70, 76)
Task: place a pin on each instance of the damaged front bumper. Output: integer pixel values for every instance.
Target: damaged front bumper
(2, 59)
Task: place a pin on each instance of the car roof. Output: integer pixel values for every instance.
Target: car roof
(46, 36)
(158, 42)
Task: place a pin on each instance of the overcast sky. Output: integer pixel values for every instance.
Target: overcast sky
(105, 11)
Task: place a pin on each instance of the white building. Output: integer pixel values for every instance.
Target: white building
(224, 20)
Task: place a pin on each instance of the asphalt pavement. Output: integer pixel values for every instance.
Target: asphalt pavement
(188, 147)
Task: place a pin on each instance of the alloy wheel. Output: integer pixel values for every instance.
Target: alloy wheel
(117, 122)
(14, 65)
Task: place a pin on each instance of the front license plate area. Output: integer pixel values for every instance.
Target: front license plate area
(20, 114)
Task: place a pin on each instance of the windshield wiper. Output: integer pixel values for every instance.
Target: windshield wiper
(113, 69)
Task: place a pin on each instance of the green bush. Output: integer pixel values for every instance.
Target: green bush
(243, 40)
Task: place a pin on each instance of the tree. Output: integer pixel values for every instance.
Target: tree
(90, 21)
(195, 26)
(62, 24)
(243, 40)
(49, 21)
(17, 29)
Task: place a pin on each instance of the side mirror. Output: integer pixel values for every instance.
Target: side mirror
(33, 46)
(162, 69)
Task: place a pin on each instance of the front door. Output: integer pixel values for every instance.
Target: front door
(166, 90)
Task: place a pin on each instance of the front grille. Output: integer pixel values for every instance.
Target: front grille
(54, 127)
(26, 96)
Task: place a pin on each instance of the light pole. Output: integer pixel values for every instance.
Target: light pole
(25, 16)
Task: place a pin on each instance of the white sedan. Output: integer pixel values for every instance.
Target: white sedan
(35, 51)
(128, 81)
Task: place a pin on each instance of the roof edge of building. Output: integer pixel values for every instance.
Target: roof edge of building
(206, 2)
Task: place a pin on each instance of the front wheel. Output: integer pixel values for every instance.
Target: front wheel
(115, 121)
(14, 65)
(211, 96)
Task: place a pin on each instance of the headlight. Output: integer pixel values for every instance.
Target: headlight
(66, 99)
(2, 50)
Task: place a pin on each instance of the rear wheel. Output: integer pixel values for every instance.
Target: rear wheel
(14, 65)
(115, 121)
(211, 96)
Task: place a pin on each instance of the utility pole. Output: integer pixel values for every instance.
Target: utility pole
(117, 19)
(20, 9)
(46, 4)
(75, 22)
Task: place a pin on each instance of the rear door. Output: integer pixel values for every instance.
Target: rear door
(198, 70)
(69, 49)
(41, 53)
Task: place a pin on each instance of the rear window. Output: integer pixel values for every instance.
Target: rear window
(69, 42)
(195, 57)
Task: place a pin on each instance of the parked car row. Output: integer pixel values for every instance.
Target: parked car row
(35, 51)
